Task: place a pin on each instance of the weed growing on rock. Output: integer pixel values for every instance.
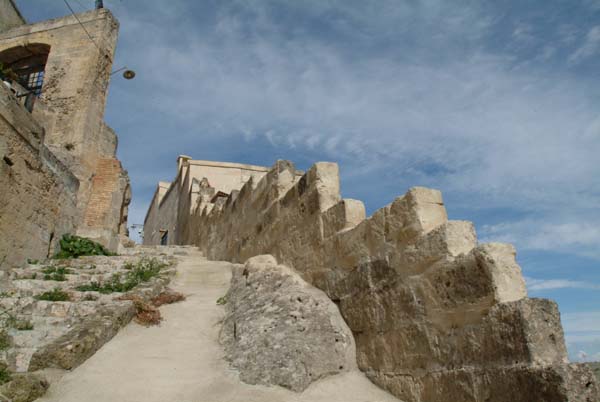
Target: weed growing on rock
(90, 297)
(140, 272)
(56, 294)
(5, 340)
(32, 262)
(56, 273)
(93, 287)
(24, 325)
(75, 246)
(9, 320)
(27, 277)
(222, 300)
(5, 374)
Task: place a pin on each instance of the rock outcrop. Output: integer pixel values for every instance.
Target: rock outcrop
(70, 322)
(279, 330)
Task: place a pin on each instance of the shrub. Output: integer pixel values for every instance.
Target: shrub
(140, 272)
(74, 246)
(56, 294)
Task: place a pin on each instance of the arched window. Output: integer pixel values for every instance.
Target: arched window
(25, 64)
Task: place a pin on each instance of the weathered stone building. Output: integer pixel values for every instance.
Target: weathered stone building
(59, 171)
(436, 316)
(197, 181)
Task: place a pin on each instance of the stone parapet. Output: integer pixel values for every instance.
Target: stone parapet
(435, 315)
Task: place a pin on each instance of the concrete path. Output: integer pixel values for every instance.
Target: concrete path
(181, 360)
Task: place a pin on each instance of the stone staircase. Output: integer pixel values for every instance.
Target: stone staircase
(39, 334)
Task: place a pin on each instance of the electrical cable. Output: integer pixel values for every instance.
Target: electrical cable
(78, 20)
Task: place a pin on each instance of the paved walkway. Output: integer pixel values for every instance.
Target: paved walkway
(181, 360)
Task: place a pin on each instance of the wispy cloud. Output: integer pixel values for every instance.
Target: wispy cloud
(577, 234)
(537, 285)
(589, 48)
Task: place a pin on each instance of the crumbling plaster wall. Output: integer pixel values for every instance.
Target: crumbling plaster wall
(38, 194)
(71, 109)
(436, 316)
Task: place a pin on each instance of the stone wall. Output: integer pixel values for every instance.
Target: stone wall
(71, 110)
(10, 16)
(436, 316)
(37, 192)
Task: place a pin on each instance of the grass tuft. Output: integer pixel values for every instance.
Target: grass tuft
(56, 273)
(5, 374)
(5, 340)
(140, 272)
(56, 294)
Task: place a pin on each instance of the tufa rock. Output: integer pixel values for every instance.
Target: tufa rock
(279, 330)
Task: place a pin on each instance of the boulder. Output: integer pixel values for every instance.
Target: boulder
(279, 330)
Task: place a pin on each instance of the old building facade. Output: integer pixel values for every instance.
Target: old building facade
(60, 173)
(196, 182)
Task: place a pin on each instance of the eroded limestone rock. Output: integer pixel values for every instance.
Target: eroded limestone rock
(279, 330)
(24, 388)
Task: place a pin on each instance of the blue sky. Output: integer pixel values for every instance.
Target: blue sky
(497, 104)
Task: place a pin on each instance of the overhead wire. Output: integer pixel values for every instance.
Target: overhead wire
(82, 26)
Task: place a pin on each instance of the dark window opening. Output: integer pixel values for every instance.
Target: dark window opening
(164, 238)
(22, 69)
(33, 82)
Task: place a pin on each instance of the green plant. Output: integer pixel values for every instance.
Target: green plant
(7, 73)
(5, 374)
(90, 297)
(140, 272)
(56, 294)
(74, 246)
(222, 300)
(7, 319)
(89, 287)
(32, 262)
(56, 273)
(33, 275)
(24, 325)
(5, 340)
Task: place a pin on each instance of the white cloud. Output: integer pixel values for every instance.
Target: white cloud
(537, 285)
(582, 322)
(589, 48)
(574, 233)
